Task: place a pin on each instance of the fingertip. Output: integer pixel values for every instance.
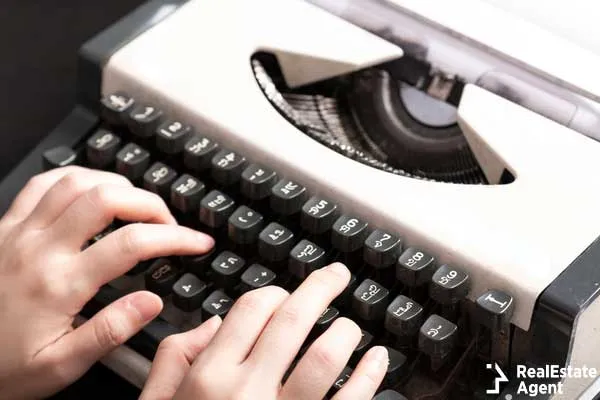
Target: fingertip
(146, 304)
(376, 360)
(214, 323)
(206, 240)
(340, 269)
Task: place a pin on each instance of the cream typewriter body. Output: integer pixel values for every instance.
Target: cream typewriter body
(526, 234)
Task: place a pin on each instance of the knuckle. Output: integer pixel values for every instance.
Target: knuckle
(252, 300)
(204, 379)
(121, 180)
(289, 315)
(100, 195)
(156, 199)
(108, 333)
(49, 287)
(37, 181)
(71, 183)
(58, 371)
(170, 344)
(263, 298)
(101, 200)
(131, 240)
(323, 358)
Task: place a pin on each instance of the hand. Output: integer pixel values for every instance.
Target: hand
(256, 344)
(46, 279)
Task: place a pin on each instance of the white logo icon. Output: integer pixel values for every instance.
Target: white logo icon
(501, 378)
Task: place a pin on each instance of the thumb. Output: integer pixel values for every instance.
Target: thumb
(105, 331)
(173, 359)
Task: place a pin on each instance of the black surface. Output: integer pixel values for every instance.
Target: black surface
(39, 42)
(99, 383)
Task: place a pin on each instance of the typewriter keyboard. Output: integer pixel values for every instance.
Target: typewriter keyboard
(271, 230)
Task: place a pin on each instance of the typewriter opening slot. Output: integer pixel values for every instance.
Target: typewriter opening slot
(378, 120)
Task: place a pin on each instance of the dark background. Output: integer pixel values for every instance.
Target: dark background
(39, 40)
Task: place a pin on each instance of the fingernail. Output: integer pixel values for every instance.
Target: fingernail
(339, 269)
(146, 304)
(377, 358)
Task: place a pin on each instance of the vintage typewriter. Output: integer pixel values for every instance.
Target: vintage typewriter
(298, 135)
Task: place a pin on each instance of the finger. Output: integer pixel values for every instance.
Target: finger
(323, 362)
(98, 207)
(243, 325)
(280, 342)
(34, 190)
(173, 359)
(111, 327)
(68, 189)
(367, 377)
(121, 250)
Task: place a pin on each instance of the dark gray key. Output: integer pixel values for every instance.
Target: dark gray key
(349, 233)
(370, 300)
(199, 264)
(227, 268)
(437, 336)
(275, 242)
(215, 209)
(404, 316)
(244, 225)
(287, 197)
(132, 162)
(305, 258)
(161, 276)
(58, 157)
(159, 178)
(227, 167)
(102, 149)
(115, 107)
(415, 267)
(198, 152)
(186, 193)
(218, 303)
(255, 277)
(449, 285)
(382, 249)
(172, 136)
(189, 292)
(144, 119)
(257, 182)
(318, 215)
(495, 309)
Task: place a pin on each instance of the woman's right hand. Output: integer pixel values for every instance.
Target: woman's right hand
(248, 355)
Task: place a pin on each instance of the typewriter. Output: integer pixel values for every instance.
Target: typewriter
(297, 136)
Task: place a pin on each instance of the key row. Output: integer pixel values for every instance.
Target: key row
(216, 209)
(414, 267)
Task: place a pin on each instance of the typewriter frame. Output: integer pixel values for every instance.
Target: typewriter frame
(567, 304)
